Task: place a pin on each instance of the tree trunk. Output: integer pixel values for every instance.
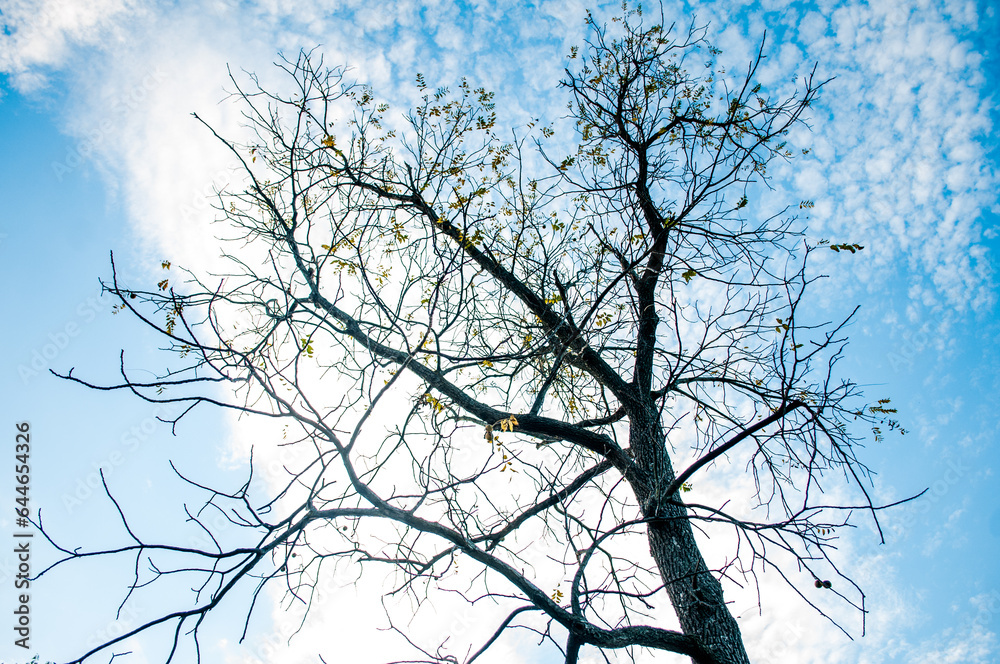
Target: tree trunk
(693, 590)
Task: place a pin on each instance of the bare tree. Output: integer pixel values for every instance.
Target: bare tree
(436, 310)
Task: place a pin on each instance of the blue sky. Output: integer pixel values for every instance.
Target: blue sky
(100, 153)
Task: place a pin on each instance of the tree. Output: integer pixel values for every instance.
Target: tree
(499, 357)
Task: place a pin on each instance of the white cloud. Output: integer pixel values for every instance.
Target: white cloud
(39, 36)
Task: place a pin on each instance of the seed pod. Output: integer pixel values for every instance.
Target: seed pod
(827, 584)
(819, 584)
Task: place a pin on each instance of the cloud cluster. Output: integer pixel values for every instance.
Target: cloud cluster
(41, 37)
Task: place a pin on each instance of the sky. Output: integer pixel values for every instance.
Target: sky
(100, 153)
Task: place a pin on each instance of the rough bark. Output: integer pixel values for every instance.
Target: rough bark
(694, 591)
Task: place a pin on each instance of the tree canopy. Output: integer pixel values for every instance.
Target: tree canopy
(504, 361)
